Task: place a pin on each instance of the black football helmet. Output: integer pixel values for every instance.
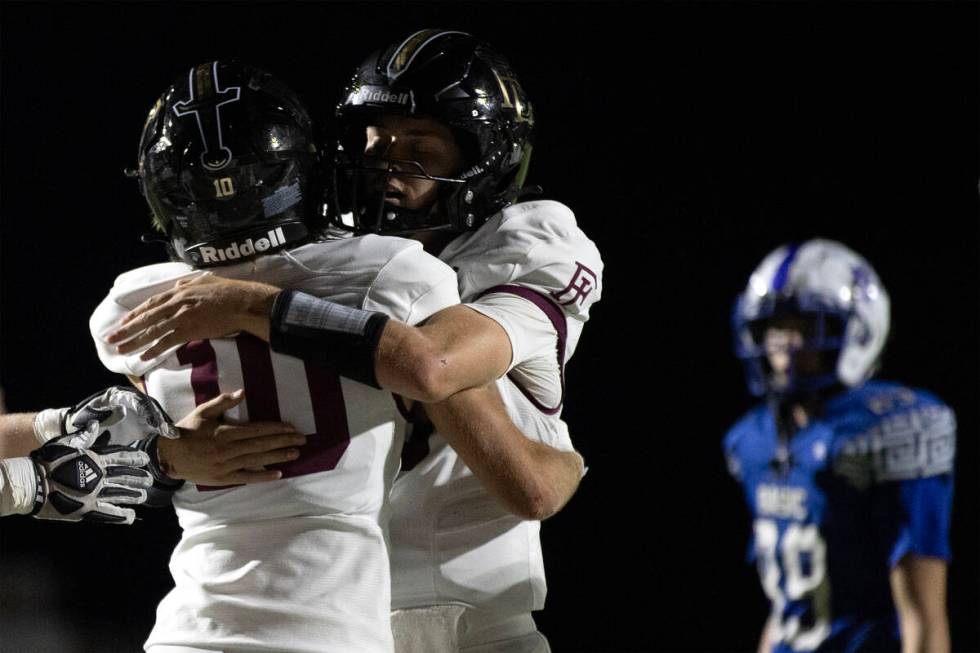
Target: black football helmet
(460, 81)
(226, 163)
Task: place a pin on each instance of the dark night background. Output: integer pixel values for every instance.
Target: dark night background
(690, 139)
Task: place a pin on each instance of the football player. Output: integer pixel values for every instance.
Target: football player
(849, 480)
(435, 143)
(301, 564)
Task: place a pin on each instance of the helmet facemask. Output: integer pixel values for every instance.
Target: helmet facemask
(791, 351)
(365, 189)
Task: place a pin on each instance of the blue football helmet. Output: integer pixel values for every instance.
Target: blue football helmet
(835, 288)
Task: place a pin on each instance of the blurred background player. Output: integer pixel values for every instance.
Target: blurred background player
(849, 480)
(435, 142)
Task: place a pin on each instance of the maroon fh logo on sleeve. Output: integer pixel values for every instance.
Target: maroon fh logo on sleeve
(583, 282)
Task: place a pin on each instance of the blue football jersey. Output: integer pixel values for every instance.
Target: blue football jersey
(839, 505)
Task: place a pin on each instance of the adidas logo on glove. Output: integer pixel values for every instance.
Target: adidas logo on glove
(86, 475)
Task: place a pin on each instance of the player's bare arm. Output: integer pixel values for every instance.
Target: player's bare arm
(455, 349)
(448, 353)
(532, 480)
(17, 435)
(765, 639)
(918, 586)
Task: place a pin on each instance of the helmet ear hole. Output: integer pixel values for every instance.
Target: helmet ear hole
(469, 145)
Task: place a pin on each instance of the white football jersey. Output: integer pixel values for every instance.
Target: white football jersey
(532, 270)
(299, 564)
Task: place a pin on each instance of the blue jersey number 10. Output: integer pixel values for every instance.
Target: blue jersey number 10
(793, 571)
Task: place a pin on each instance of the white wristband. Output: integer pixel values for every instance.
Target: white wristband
(47, 424)
(18, 484)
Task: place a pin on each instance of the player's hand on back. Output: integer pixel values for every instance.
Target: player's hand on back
(210, 452)
(195, 309)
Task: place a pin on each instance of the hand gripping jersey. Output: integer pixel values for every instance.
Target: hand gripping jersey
(532, 270)
(299, 564)
(860, 487)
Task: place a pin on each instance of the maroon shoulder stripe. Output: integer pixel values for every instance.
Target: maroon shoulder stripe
(557, 318)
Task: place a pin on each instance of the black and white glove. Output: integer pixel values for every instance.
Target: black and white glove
(81, 484)
(116, 416)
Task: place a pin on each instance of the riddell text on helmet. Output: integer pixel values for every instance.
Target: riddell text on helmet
(243, 249)
(378, 94)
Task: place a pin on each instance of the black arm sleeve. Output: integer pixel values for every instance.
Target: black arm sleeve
(331, 335)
